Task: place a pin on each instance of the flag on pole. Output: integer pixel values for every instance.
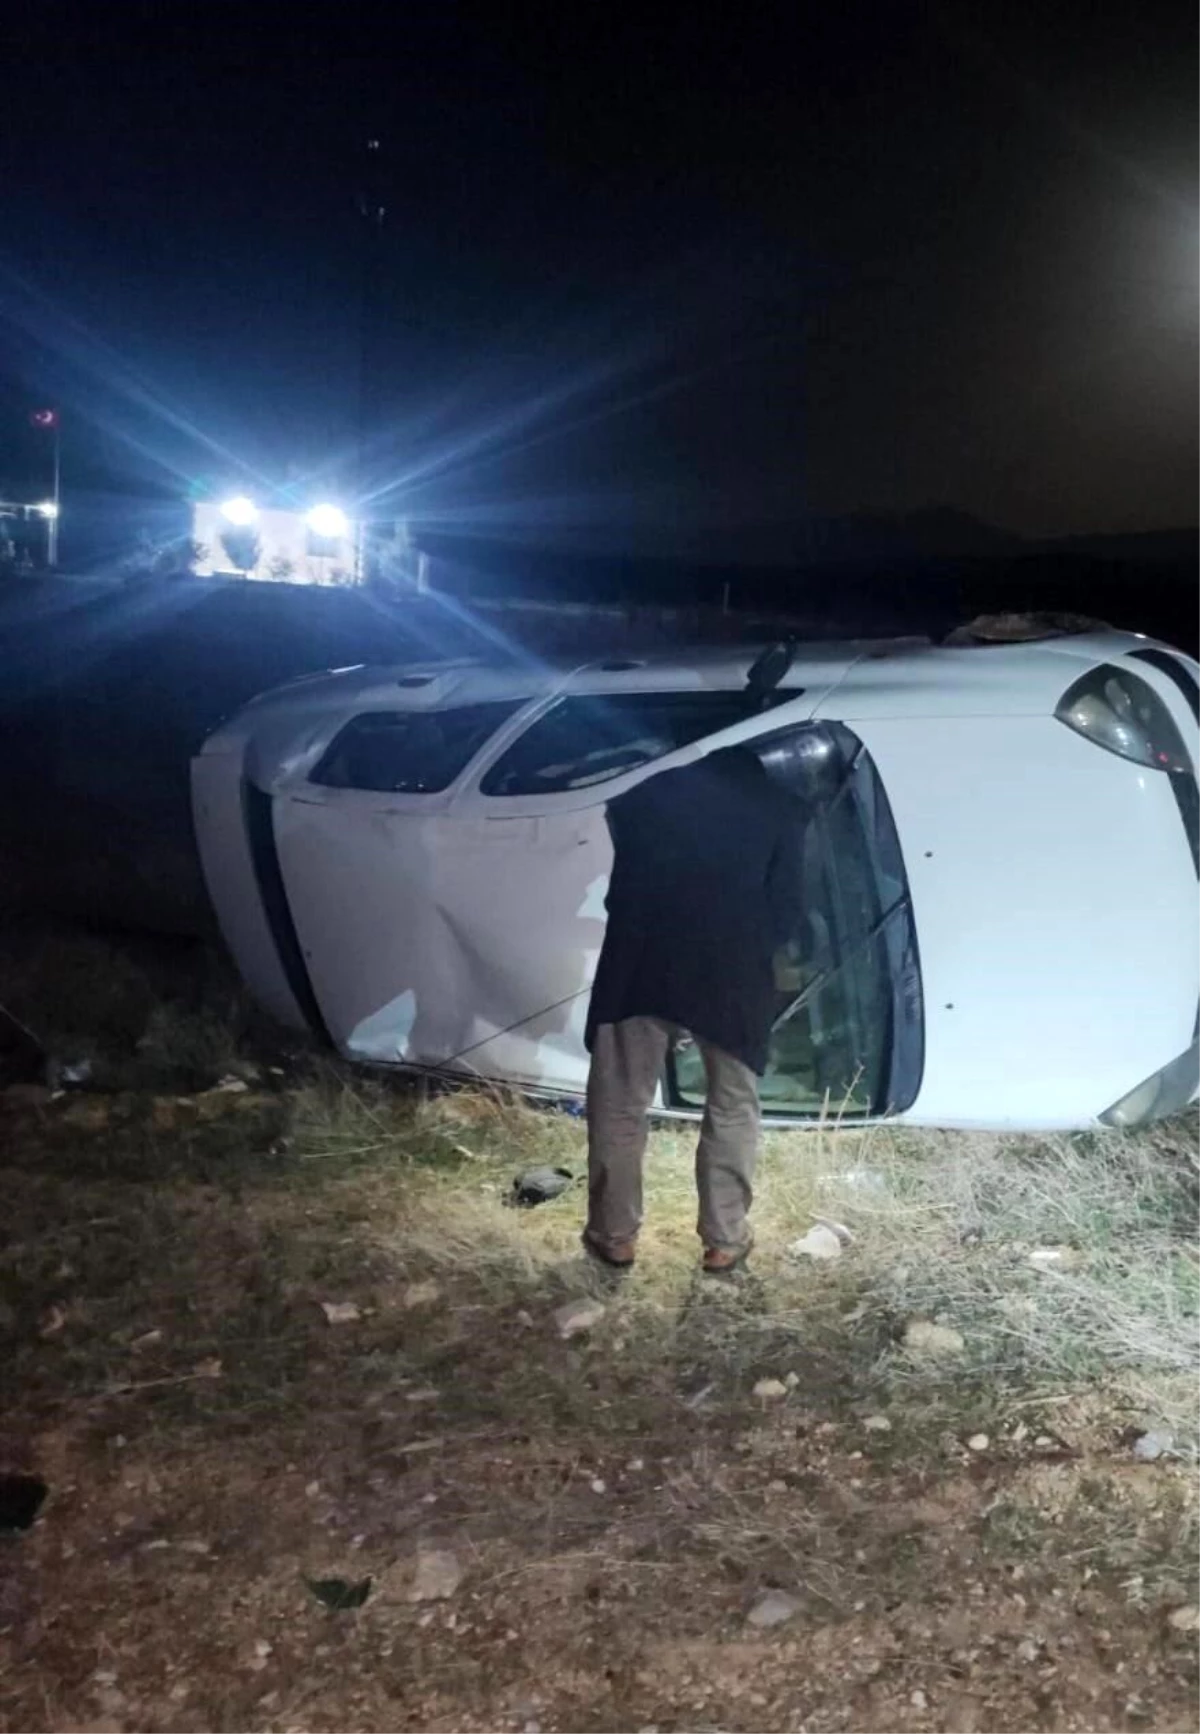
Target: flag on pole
(47, 418)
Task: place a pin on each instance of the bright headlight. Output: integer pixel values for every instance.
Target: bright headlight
(328, 522)
(239, 511)
(1120, 713)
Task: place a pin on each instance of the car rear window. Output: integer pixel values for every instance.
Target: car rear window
(592, 738)
(410, 752)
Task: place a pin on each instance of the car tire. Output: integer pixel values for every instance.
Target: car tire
(1014, 628)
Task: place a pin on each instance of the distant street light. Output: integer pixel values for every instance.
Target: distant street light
(239, 511)
(48, 508)
(328, 522)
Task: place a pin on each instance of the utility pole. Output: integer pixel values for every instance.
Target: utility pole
(52, 538)
(372, 213)
(48, 421)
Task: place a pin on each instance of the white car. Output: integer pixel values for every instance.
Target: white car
(1000, 844)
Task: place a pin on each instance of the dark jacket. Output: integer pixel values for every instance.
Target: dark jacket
(705, 888)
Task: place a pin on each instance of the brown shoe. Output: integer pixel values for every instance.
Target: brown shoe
(617, 1254)
(724, 1260)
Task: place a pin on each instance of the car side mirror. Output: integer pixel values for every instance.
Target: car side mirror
(768, 670)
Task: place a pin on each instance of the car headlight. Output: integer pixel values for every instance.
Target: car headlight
(1120, 713)
(1167, 1092)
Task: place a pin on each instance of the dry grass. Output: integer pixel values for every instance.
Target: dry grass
(943, 1228)
(618, 1500)
(146, 1012)
(943, 1224)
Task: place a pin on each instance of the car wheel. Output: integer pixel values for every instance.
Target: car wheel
(1021, 628)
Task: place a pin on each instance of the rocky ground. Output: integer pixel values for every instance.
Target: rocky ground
(332, 1438)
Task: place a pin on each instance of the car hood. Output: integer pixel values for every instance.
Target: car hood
(1055, 907)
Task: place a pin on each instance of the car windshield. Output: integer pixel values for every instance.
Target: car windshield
(848, 1035)
(590, 738)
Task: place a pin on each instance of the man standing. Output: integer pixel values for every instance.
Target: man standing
(705, 888)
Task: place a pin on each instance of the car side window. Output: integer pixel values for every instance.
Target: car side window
(591, 738)
(409, 752)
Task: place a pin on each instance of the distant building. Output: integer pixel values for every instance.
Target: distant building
(274, 544)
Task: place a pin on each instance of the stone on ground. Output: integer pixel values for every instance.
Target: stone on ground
(437, 1576)
(923, 1337)
(820, 1242)
(578, 1316)
(772, 1608)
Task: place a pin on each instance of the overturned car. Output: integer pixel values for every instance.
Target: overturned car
(1000, 846)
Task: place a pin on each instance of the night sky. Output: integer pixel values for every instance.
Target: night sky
(661, 286)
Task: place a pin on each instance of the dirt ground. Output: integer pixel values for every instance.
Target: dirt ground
(264, 1337)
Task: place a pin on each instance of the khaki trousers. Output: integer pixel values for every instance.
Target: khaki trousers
(627, 1063)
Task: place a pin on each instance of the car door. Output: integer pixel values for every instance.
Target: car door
(398, 898)
(451, 940)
